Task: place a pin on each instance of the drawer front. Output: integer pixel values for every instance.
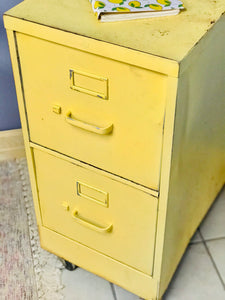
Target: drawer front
(103, 112)
(105, 215)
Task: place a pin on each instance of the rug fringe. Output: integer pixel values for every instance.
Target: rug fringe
(47, 267)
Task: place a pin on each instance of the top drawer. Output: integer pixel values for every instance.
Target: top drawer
(97, 110)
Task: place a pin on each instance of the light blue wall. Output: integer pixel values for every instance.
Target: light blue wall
(9, 115)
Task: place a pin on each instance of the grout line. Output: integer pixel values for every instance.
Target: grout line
(113, 290)
(215, 239)
(212, 260)
(196, 242)
(205, 239)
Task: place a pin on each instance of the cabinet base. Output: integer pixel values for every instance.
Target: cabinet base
(132, 280)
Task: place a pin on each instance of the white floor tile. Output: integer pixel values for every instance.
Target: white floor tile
(196, 238)
(122, 294)
(195, 278)
(214, 224)
(82, 285)
(217, 250)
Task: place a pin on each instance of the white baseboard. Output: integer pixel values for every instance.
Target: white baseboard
(11, 144)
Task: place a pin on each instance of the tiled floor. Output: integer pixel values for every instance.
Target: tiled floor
(200, 275)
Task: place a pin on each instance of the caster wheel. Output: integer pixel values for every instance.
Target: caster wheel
(69, 266)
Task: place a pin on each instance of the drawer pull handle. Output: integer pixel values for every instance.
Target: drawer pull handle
(86, 126)
(90, 225)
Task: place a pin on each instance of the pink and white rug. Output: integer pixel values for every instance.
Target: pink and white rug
(26, 270)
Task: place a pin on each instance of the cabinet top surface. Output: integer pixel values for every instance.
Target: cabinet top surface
(170, 37)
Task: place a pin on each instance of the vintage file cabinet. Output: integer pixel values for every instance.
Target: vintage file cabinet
(124, 131)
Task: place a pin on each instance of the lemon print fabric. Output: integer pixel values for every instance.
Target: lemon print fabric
(155, 6)
(164, 2)
(115, 1)
(135, 4)
(126, 6)
(99, 4)
(121, 9)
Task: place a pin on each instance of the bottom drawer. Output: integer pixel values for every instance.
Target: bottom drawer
(103, 214)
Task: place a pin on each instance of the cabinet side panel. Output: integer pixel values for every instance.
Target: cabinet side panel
(20, 98)
(198, 156)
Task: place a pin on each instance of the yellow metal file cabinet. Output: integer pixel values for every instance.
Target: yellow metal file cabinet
(124, 132)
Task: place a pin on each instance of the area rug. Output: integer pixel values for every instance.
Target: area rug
(26, 270)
